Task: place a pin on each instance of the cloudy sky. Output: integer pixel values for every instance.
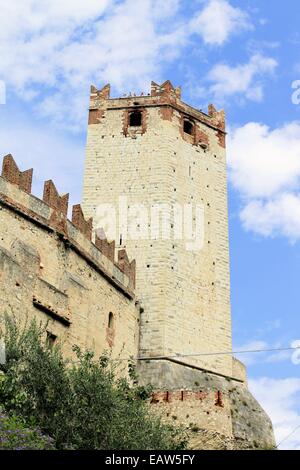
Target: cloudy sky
(239, 54)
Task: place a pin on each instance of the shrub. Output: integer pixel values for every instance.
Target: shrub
(81, 405)
(14, 435)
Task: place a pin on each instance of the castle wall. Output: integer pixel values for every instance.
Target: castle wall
(49, 269)
(196, 410)
(171, 307)
(217, 411)
(184, 294)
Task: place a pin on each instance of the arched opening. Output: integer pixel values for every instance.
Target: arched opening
(135, 119)
(111, 320)
(188, 127)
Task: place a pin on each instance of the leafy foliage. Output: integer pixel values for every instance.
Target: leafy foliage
(81, 405)
(15, 435)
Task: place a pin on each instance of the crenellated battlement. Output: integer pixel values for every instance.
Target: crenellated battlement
(50, 213)
(11, 172)
(165, 96)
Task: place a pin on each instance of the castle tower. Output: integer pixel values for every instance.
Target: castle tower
(156, 167)
(161, 153)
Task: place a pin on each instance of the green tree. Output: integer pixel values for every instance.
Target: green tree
(81, 405)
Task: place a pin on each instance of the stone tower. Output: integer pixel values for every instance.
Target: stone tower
(156, 150)
(155, 180)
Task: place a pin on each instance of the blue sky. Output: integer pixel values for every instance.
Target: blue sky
(241, 55)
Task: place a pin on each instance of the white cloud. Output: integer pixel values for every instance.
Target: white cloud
(49, 13)
(264, 166)
(296, 353)
(218, 21)
(48, 152)
(280, 399)
(245, 80)
(262, 352)
(51, 51)
(251, 358)
(277, 216)
(279, 356)
(263, 161)
(63, 47)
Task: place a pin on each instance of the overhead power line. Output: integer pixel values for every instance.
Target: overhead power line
(216, 353)
(289, 435)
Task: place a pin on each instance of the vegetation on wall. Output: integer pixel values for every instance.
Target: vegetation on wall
(81, 405)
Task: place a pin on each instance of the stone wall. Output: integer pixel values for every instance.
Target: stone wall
(196, 409)
(185, 294)
(50, 269)
(217, 411)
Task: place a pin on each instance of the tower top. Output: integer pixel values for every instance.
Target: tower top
(164, 95)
